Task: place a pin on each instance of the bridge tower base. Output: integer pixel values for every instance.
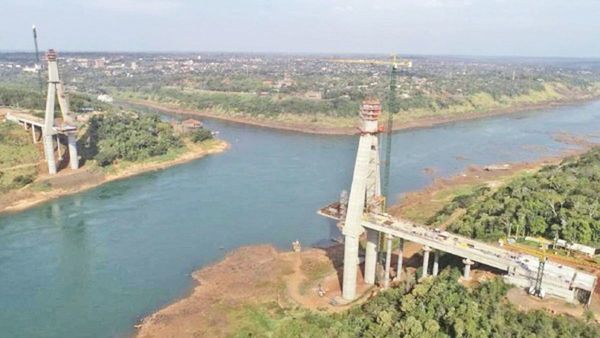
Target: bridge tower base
(365, 196)
(49, 152)
(50, 129)
(73, 156)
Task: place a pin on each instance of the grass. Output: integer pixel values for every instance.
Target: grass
(16, 149)
(314, 270)
(484, 102)
(255, 320)
(423, 212)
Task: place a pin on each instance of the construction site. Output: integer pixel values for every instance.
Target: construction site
(361, 215)
(50, 130)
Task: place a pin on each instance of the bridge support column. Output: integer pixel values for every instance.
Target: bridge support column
(49, 152)
(371, 256)
(400, 258)
(468, 263)
(436, 262)
(60, 155)
(73, 156)
(350, 267)
(426, 251)
(33, 135)
(388, 262)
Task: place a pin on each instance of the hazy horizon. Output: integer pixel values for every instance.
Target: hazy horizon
(462, 28)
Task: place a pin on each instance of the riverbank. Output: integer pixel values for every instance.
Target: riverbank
(347, 126)
(229, 293)
(422, 204)
(257, 283)
(68, 182)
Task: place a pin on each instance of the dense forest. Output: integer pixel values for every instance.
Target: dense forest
(436, 307)
(559, 200)
(127, 136)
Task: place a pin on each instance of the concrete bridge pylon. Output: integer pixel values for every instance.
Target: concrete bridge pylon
(362, 211)
(49, 128)
(365, 194)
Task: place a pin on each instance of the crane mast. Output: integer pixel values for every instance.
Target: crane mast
(37, 59)
(392, 109)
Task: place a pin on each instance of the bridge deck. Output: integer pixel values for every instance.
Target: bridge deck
(59, 125)
(520, 267)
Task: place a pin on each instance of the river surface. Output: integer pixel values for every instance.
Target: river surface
(92, 264)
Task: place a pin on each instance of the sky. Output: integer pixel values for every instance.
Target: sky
(563, 28)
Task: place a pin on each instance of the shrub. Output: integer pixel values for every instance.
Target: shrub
(201, 135)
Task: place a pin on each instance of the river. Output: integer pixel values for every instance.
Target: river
(92, 264)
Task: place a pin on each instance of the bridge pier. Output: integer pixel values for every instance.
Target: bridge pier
(33, 134)
(350, 267)
(388, 261)
(73, 156)
(60, 155)
(49, 152)
(371, 256)
(426, 251)
(436, 262)
(400, 257)
(467, 273)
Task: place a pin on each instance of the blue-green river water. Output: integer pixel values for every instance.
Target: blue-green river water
(92, 264)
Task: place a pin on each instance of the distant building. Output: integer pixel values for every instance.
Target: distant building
(83, 63)
(99, 63)
(186, 126)
(36, 68)
(105, 98)
(191, 125)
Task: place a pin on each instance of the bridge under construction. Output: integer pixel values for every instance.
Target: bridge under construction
(363, 211)
(52, 129)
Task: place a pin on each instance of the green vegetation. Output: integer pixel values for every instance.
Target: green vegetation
(201, 135)
(28, 98)
(126, 136)
(439, 307)
(319, 90)
(250, 104)
(558, 200)
(18, 157)
(344, 106)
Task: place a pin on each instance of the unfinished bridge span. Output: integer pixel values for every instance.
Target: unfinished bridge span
(50, 128)
(362, 212)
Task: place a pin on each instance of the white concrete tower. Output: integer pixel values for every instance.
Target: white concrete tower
(365, 195)
(56, 89)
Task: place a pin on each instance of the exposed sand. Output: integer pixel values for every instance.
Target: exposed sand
(247, 276)
(261, 274)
